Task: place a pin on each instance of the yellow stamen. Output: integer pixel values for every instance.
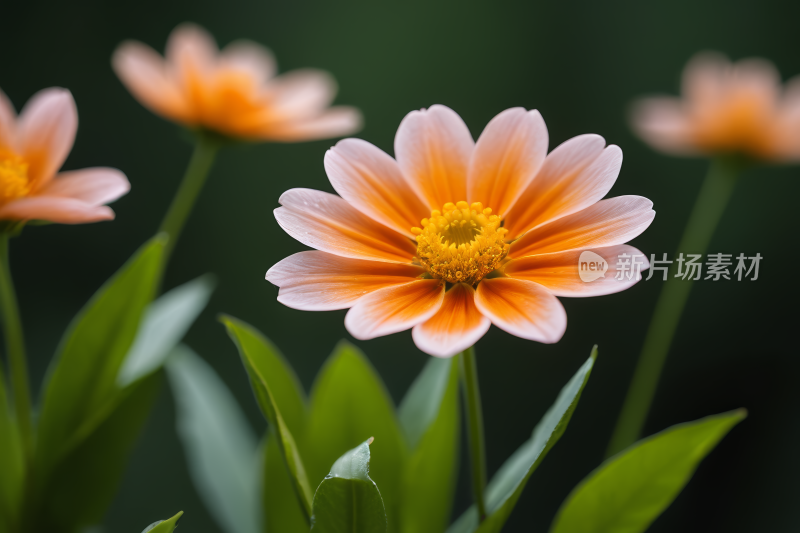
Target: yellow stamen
(13, 177)
(461, 243)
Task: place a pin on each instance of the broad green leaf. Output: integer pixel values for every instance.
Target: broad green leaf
(267, 371)
(11, 465)
(165, 323)
(272, 366)
(82, 378)
(630, 490)
(82, 484)
(349, 403)
(220, 446)
(506, 486)
(347, 500)
(430, 415)
(164, 526)
(282, 510)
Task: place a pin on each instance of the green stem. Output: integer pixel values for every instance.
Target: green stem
(15, 347)
(196, 173)
(477, 446)
(705, 216)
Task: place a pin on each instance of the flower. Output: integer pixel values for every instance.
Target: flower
(33, 147)
(233, 92)
(456, 235)
(726, 108)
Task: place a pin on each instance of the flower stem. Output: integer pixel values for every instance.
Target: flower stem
(15, 348)
(477, 446)
(196, 173)
(706, 214)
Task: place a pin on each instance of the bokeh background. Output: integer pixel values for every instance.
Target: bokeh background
(580, 63)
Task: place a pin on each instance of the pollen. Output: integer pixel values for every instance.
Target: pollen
(14, 182)
(461, 243)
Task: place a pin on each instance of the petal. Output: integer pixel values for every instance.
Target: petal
(328, 223)
(370, 180)
(574, 176)
(334, 122)
(144, 73)
(507, 157)
(606, 223)
(250, 57)
(394, 309)
(46, 130)
(558, 272)
(663, 123)
(457, 326)
(8, 124)
(55, 209)
(522, 308)
(191, 46)
(94, 186)
(704, 76)
(301, 93)
(433, 148)
(319, 281)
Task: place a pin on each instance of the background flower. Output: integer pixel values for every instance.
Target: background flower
(33, 147)
(234, 92)
(725, 108)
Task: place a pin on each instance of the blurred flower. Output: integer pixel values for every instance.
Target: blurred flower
(454, 234)
(726, 108)
(33, 147)
(233, 92)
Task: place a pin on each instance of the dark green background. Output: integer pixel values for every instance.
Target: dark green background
(579, 63)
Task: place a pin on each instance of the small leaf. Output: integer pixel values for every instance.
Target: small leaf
(164, 526)
(165, 323)
(268, 371)
(83, 483)
(506, 486)
(82, 378)
(430, 415)
(220, 447)
(348, 403)
(347, 500)
(630, 490)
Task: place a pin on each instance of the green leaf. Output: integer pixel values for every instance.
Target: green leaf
(630, 490)
(11, 465)
(164, 526)
(82, 378)
(430, 415)
(347, 500)
(82, 484)
(506, 486)
(349, 403)
(282, 510)
(269, 372)
(221, 449)
(165, 323)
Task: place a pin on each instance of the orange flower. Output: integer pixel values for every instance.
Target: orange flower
(233, 92)
(33, 147)
(455, 235)
(726, 108)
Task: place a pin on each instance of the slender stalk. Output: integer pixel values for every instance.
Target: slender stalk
(193, 180)
(15, 348)
(477, 446)
(706, 214)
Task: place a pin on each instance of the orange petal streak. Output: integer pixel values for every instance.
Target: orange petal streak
(319, 281)
(327, 222)
(522, 308)
(457, 326)
(394, 309)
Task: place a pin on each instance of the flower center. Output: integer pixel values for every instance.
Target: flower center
(13, 177)
(461, 243)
